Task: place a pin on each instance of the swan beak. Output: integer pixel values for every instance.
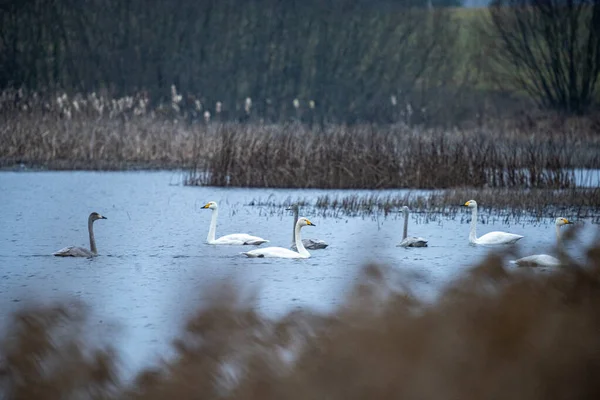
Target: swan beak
(465, 205)
(206, 206)
(309, 223)
(103, 217)
(568, 222)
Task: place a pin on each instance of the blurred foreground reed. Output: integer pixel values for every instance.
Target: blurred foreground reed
(493, 333)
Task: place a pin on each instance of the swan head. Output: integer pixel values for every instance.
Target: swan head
(405, 209)
(304, 222)
(560, 221)
(293, 207)
(94, 216)
(470, 204)
(211, 205)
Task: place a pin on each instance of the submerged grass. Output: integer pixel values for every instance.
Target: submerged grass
(493, 333)
(514, 204)
(92, 132)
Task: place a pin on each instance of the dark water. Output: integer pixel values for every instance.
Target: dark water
(153, 256)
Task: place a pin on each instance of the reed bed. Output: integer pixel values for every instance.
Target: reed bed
(97, 132)
(370, 157)
(495, 332)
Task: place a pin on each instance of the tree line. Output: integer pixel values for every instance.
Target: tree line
(344, 60)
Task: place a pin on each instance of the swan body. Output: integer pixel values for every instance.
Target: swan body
(544, 260)
(538, 260)
(410, 241)
(281, 252)
(312, 244)
(239, 239)
(74, 251)
(491, 238)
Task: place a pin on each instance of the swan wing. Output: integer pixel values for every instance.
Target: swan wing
(544, 260)
(73, 251)
(413, 242)
(273, 252)
(498, 237)
(311, 244)
(314, 244)
(240, 239)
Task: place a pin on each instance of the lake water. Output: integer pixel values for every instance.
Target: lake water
(153, 257)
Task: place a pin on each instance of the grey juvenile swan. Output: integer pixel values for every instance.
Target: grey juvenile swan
(312, 244)
(410, 241)
(73, 251)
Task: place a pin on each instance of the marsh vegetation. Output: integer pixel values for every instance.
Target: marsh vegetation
(505, 204)
(496, 104)
(94, 132)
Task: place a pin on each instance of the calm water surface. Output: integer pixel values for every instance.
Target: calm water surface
(153, 257)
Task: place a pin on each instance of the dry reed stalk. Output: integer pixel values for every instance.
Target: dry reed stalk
(114, 134)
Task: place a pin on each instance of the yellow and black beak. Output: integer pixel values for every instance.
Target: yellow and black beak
(465, 205)
(568, 222)
(309, 223)
(206, 206)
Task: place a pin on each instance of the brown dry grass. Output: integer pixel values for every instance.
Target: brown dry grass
(360, 157)
(101, 133)
(494, 333)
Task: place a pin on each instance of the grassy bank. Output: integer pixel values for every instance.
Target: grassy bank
(537, 331)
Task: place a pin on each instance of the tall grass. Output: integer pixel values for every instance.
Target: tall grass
(493, 333)
(378, 157)
(97, 132)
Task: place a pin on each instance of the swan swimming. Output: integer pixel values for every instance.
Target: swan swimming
(74, 251)
(281, 252)
(544, 260)
(312, 244)
(410, 241)
(234, 238)
(491, 238)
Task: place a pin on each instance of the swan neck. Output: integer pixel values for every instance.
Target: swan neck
(558, 239)
(299, 245)
(294, 227)
(473, 232)
(92, 239)
(405, 231)
(212, 230)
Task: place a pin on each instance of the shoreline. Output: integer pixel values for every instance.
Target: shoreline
(61, 165)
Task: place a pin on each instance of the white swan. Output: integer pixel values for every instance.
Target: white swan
(544, 260)
(410, 241)
(312, 244)
(491, 238)
(233, 239)
(281, 252)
